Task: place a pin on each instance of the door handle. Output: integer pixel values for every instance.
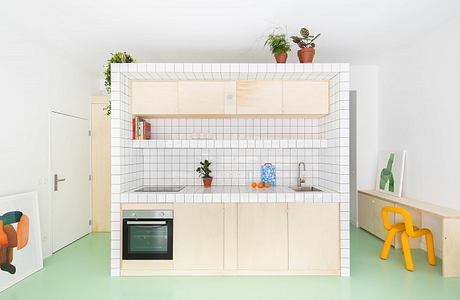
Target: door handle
(56, 181)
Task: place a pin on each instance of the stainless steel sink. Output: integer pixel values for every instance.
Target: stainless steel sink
(304, 189)
(159, 189)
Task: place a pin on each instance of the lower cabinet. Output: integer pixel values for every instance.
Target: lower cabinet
(370, 218)
(370, 214)
(313, 236)
(262, 236)
(249, 238)
(198, 236)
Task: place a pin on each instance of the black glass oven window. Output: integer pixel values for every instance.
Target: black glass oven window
(148, 239)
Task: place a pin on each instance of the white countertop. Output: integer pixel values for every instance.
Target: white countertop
(218, 194)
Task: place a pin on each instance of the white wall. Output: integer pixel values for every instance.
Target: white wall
(34, 80)
(419, 111)
(364, 80)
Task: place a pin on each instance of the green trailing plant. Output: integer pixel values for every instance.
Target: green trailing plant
(305, 40)
(203, 170)
(117, 57)
(278, 43)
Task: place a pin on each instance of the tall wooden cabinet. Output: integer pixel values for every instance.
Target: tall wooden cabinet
(100, 164)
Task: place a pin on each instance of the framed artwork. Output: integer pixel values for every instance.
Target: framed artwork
(390, 171)
(20, 240)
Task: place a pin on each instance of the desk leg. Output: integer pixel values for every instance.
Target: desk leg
(451, 247)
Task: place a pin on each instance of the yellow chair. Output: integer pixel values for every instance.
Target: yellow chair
(407, 230)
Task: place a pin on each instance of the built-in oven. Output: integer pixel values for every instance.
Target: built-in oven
(147, 234)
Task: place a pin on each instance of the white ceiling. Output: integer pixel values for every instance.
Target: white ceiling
(356, 31)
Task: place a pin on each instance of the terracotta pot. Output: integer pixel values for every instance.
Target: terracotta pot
(281, 58)
(306, 55)
(207, 182)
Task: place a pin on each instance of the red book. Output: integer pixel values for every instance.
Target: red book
(147, 130)
(134, 129)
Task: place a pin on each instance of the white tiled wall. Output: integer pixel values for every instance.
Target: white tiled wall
(234, 129)
(229, 166)
(133, 166)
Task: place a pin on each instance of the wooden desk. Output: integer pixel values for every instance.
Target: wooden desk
(450, 227)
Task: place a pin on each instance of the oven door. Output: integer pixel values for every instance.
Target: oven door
(147, 239)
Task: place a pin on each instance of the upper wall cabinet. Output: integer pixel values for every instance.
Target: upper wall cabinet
(259, 97)
(206, 97)
(154, 98)
(247, 97)
(306, 97)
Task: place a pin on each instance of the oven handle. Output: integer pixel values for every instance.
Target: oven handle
(146, 222)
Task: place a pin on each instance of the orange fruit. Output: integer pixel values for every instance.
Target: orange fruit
(260, 185)
(254, 184)
(267, 185)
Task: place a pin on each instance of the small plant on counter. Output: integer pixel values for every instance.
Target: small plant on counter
(279, 46)
(306, 45)
(117, 57)
(204, 172)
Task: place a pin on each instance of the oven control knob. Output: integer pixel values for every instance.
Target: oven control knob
(162, 214)
(133, 214)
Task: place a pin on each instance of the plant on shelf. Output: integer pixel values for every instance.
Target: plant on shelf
(279, 46)
(204, 171)
(306, 44)
(117, 57)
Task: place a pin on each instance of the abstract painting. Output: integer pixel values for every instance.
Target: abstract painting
(20, 241)
(390, 171)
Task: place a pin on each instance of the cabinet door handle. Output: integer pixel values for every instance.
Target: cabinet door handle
(56, 181)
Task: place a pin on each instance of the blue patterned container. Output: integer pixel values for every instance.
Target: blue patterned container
(268, 174)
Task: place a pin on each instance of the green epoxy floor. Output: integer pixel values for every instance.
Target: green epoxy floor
(81, 271)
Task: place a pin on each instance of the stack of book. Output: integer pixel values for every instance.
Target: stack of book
(141, 129)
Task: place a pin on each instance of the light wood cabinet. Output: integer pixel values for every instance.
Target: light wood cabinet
(100, 164)
(259, 97)
(262, 236)
(365, 212)
(154, 98)
(313, 236)
(198, 236)
(245, 97)
(306, 97)
(370, 215)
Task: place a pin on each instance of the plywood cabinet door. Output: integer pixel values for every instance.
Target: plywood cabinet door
(198, 236)
(306, 97)
(313, 236)
(206, 97)
(259, 97)
(262, 236)
(154, 98)
(379, 230)
(365, 212)
(100, 164)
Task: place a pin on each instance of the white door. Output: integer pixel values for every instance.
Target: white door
(70, 169)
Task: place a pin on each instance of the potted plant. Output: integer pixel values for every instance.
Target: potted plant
(117, 57)
(306, 45)
(279, 46)
(204, 172)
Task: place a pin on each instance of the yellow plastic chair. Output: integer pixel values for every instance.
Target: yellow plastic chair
(407, 230)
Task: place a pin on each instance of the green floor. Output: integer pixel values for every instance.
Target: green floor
(81, 271)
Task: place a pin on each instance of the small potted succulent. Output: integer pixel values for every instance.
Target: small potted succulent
(204, 172)
(117, 57)
(306, 45)
(279, 46)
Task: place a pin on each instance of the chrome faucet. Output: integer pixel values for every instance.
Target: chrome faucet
(300, 180)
